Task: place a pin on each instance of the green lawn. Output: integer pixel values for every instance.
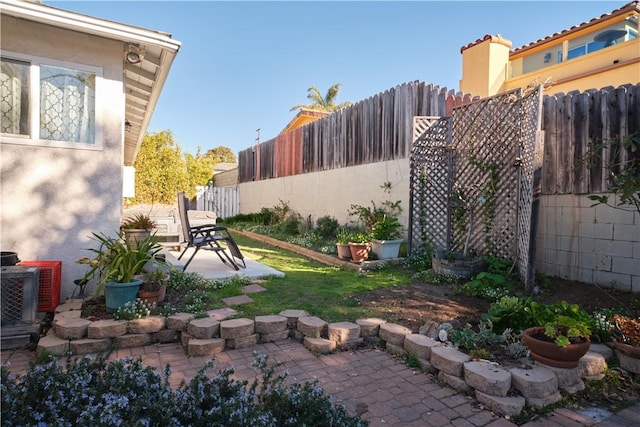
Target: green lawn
(327, 292)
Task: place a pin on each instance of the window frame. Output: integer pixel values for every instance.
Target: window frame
(33, 138)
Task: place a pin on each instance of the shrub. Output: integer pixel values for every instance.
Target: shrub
(100, 393)
(510, 312)
(487, 285)
(326, 227)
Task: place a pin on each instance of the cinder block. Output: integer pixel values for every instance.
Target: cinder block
(626, 232)
(628, 266)
(615, 280)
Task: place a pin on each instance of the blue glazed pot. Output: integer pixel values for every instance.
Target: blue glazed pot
(118, 294)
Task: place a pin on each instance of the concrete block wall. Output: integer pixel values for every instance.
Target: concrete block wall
(589, 244)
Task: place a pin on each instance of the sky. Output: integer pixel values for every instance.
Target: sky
(243, 65)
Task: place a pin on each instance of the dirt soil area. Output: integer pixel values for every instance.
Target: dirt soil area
(414, 304)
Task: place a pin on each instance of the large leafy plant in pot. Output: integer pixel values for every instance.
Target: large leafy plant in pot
(386, 237)
(115, 264)
(562, 336)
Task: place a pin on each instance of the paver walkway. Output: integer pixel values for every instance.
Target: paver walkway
(369, 382)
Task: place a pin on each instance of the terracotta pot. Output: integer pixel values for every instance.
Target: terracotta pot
(548, 353)
(359, 251)
(629, 350)
(153, 296)
(343, 251)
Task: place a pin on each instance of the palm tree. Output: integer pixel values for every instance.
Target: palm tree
(320, 103)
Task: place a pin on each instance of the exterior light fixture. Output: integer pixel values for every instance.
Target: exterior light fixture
(127, 125)
(133, 53)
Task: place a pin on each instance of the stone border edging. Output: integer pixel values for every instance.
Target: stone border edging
(491, 384)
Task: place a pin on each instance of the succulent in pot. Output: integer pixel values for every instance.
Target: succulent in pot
(625, 333)
(139, 221)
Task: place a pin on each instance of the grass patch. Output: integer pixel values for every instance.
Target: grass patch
(324, 291)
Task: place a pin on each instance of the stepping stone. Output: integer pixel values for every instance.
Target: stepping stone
(252, 289)
(239, 300)
(221, 313)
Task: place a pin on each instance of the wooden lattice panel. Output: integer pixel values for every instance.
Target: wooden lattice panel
(531, 160)
(481, 174)
(485, 142)
(429, 182)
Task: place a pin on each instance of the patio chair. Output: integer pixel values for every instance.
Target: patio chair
(207, 235)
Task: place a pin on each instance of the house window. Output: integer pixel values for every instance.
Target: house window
(14, 97)
(577, 51)
(48, 102)
(67, 105)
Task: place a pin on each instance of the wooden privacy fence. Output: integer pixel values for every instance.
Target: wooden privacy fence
(379, 129)
(572, 121)
(376, 129)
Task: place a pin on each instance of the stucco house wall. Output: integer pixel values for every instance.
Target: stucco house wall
(53, 198)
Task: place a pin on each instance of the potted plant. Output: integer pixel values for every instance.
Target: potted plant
(117, 262)
(561, 342)
(625, 334)
(461, 264)
(360, 246)
(343, 236)
(154, 286)
(386, 237)
(137, 227)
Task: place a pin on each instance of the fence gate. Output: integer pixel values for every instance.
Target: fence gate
(472, 177)
(224, 201)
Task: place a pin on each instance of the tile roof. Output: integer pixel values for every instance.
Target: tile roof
(633, 6)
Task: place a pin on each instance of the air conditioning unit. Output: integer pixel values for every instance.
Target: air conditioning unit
(19, 304)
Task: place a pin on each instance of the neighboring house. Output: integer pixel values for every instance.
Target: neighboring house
(602, 52)
(77, 95)
(303, 117)
(225, 175)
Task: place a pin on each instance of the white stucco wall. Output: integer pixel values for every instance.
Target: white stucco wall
(53, 198)
(331, 192)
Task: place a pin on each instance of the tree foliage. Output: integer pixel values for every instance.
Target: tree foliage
(221, 155)
(162, 169)
(325, 103)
